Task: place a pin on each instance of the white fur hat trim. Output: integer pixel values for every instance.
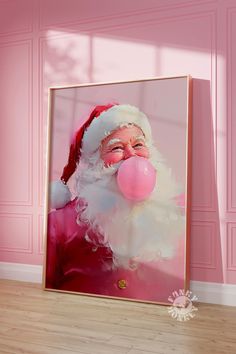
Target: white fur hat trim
(115, 117)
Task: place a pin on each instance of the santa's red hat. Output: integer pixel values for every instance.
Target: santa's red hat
(101, 122)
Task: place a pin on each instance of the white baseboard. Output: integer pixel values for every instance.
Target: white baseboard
(212, 293)
(21, 272)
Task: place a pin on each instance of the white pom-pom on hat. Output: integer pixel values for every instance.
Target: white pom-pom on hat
(60, 194)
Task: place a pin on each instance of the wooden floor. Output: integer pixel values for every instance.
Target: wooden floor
(36, 321)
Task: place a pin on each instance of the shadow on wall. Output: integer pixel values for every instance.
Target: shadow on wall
(206, 248)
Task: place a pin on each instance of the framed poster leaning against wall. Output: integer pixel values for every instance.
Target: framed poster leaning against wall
(118, 189)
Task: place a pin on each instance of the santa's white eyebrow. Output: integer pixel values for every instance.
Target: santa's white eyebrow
(141, 137)
(116, 140)
(113, 141)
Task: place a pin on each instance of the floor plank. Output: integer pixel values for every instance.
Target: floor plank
(34, 321)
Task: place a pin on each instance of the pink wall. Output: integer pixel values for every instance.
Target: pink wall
(52, 42)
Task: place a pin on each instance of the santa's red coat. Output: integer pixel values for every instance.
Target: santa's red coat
(74, 264)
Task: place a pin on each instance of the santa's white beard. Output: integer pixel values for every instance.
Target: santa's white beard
(135, 231)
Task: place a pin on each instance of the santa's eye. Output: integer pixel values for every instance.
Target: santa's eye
(138, 145)
(117, 148)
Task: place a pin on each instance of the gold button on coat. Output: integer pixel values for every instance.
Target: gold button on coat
(122, 284)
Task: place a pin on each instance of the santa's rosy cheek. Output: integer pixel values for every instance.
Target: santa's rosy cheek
(143, 152)
(112, 157)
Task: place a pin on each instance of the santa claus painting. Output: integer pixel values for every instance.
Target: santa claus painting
(123, 233)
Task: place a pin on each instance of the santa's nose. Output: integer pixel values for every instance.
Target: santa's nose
(128, 152)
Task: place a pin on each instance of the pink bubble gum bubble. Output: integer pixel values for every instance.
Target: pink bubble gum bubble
(136, 178)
